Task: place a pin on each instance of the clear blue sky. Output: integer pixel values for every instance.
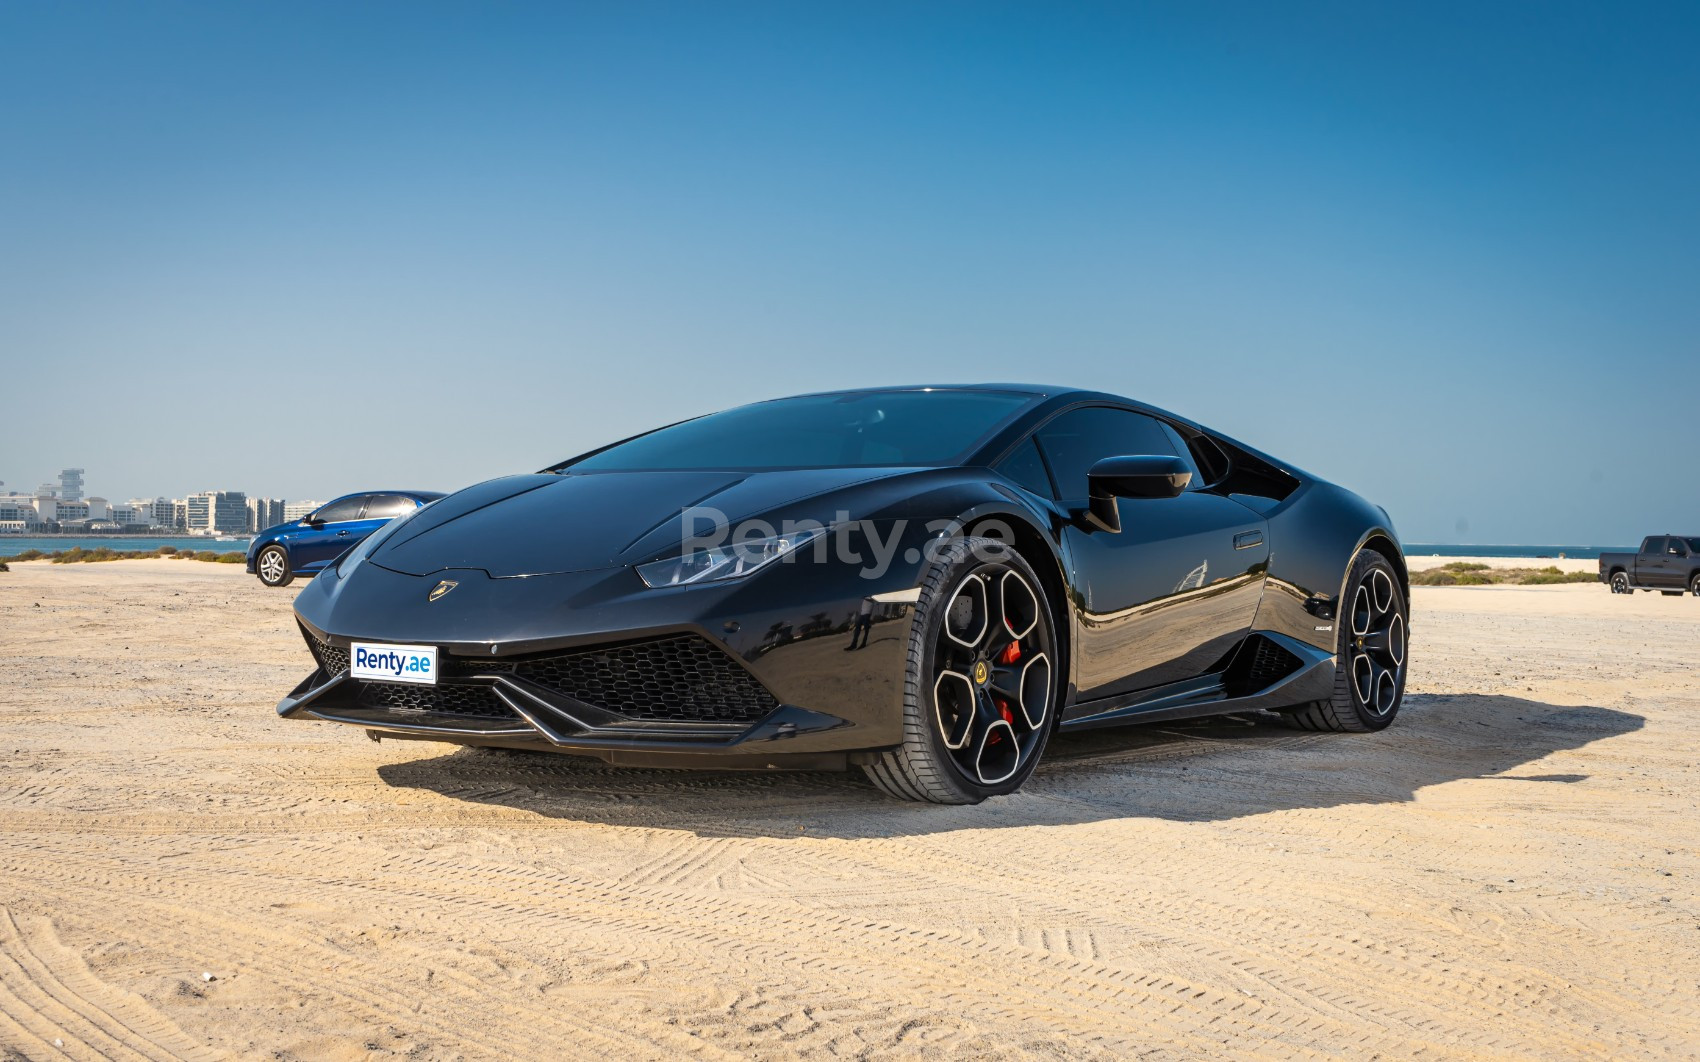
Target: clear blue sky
(1445, 255)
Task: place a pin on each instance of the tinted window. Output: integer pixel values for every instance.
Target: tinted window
(345, 509)
(1079, 439)
(389, 506)
(821, 431)
(1677, 547)
(1027, 468)
(1654, 545)
(1694, 545)
(1179, 446)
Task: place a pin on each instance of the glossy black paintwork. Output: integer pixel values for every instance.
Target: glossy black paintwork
(1153, 616)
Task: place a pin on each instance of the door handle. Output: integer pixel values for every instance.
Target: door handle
(342, 534)
(1248, 539)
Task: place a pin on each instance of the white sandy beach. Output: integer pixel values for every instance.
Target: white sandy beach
(1508, 872)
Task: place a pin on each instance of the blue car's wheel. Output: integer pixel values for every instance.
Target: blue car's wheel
(980, 695)
(272, 566)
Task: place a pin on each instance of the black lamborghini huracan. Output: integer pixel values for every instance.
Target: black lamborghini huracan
(922, 582)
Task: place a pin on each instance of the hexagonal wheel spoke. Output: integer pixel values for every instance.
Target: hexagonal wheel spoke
(993, 677)
(1376, 657)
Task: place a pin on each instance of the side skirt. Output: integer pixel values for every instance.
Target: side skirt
(1216, 694)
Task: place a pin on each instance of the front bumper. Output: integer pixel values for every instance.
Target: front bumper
(790, 628)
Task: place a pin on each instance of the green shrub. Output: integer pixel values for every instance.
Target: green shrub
(1434, 577)
(29, 555)
(232, 558)
(3, 567)
(1467, 566)
(1549, 576)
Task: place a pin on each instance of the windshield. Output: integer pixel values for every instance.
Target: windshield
(867, 428)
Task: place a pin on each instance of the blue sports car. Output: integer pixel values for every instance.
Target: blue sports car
(302, 547)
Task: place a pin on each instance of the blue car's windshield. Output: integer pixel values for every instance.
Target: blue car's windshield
(865, 428)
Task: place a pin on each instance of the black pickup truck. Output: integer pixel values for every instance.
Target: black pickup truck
(1667, 563)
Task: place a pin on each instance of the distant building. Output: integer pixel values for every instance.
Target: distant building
(264, 513)
(153, 512)
(295, 510)
(20, 509)
(71, 485)
(219, 512)
(179, 514)
(70, 513)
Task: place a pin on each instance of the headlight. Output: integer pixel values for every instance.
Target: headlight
(351, 560)
(732, 561)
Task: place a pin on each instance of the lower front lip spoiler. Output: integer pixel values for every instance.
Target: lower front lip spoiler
(547, 717)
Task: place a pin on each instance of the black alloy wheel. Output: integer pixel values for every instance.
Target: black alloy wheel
(1620, 583)
(272, 566)
(983, 679)
(1369, 678)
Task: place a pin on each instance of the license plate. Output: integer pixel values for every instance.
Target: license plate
(393, 663)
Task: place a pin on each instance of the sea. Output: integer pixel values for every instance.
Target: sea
(12, 545)
(1426, 549)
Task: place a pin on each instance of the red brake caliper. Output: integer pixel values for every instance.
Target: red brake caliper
(1011, 653)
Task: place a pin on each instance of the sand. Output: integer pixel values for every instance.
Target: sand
(1507, 873)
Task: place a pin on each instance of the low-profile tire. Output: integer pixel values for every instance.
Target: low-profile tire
(272, 566)
(982, 683)
(1372, 625)
(1620, 583)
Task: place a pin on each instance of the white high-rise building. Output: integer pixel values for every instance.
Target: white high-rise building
(264, 513)
(221, 512)
(295, 510)
(71, 485)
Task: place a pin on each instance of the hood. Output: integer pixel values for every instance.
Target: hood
(550, 524)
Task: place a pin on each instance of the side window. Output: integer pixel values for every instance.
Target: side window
(338, 511)
(1026, 467)
(1676, 548)
(1654, 545)
(1185, 454)
(1080, 438)
(388, 506)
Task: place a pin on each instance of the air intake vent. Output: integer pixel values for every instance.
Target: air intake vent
(1262, 663)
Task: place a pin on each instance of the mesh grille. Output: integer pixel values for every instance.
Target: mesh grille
(330, 657)
(454, 700)
(1270, 663)
(678, 679)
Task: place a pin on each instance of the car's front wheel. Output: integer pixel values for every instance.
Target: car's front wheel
(1369, 680)
(982, 683)
(272, 566)
(1694, 585)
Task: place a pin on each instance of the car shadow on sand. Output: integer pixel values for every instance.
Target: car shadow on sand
(1213, 769)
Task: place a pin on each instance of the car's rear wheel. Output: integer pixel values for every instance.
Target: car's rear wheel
(1694, 585)
(983, 679)
(1369, 680)
(1620, 583)
(272, 566)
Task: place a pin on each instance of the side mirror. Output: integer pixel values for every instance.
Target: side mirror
(309, 521)
(1131, 477)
